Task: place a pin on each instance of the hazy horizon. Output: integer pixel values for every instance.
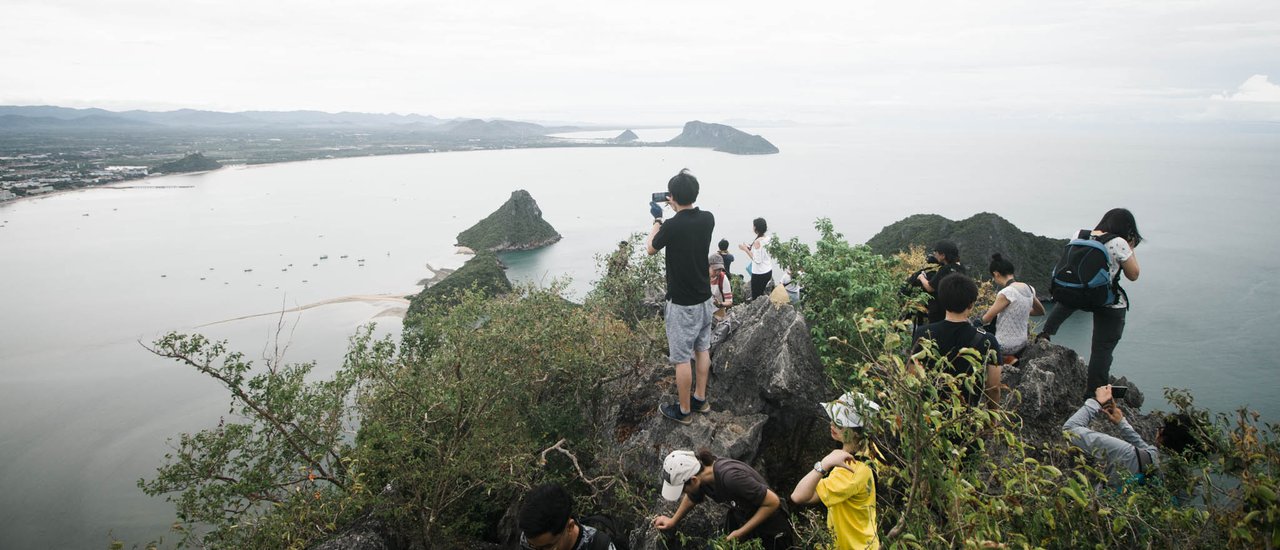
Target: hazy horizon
(656, 63)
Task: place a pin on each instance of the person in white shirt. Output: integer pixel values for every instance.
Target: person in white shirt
(1014, 306)
(761, 261)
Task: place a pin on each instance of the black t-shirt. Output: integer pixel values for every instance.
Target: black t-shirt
(936, 311)
(728, 261)
(687, 238)
(950, 337)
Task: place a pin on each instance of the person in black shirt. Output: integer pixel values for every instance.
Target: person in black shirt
(755, 511)
(546, 523)
(687, 238)
(947, 254)
(723, 245)
(957, 294)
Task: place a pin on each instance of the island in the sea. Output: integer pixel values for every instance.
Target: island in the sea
(720, 137)
(516, 225)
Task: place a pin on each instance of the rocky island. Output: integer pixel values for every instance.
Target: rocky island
(627, 136)
(720, 137)
(516, 225)
(978, 237)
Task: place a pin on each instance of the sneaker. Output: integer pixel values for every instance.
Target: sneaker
(672, 411)
(699, 405)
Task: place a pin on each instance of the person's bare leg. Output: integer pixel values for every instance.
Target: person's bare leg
(704, 372)
(684, 379)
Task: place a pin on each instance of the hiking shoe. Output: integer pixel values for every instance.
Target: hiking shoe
(672, 411)
(699, 405)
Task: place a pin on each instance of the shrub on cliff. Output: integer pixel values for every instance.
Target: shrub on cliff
(450, 426)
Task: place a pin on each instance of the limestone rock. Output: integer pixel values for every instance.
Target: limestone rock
(516, 225)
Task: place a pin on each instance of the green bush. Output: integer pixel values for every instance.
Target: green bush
(451, 425)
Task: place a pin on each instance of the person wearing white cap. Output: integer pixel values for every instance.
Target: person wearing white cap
(842, 480)
(755, 511)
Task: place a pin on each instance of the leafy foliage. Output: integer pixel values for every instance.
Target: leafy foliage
(957, 476)
(450, 425)
(483, 273)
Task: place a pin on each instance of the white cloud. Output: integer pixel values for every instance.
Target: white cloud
(1257, 88)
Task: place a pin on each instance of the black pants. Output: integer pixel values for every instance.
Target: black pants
(759, 282)
(1108, 327)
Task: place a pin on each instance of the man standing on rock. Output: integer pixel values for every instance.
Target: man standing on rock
(687, 238)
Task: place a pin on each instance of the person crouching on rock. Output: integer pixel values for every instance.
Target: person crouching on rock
(843, 481)
(755, 511)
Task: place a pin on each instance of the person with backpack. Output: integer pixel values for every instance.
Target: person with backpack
(1127, 457)
(947, 254)
(547, 523)
(843, 481)
(1015, 304)
(755, 511)
(1087, 277)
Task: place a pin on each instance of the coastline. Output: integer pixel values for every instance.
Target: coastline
(119, 185)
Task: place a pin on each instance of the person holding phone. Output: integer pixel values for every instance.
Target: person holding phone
(1128, 456)
(761, 261)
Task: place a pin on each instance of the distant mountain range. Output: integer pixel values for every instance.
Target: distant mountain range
(64, 117)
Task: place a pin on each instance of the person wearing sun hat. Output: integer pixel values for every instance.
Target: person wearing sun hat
(842, 480)
(755, 511)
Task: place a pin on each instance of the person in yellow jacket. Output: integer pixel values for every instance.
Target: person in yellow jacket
(842, 480)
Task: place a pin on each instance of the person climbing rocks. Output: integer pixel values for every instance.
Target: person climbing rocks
(755, 511)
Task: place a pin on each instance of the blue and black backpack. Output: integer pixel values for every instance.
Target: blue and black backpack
(1082, 278)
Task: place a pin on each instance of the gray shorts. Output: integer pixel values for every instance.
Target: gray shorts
(688, 330)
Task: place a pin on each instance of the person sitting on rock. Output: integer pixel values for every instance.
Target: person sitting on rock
(1014, 306)
(547, 523)
(755, 511)
(721, 289)
(957, 293)
(1127, 457)
(948, 255)
(843, 481)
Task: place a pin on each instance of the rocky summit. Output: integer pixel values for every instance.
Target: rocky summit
(516, 225)
(720, 137)
(978, 237)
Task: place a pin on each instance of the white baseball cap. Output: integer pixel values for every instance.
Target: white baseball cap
(678, 467)
(844, 410)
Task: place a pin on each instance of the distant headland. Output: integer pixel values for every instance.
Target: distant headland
(60, 148)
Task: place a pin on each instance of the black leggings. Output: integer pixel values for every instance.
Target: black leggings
(759, 282)
(1108, 327)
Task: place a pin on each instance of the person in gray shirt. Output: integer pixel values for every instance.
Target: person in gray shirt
(1128, 455)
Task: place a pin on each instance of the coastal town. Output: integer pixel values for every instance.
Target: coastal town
(32, 174)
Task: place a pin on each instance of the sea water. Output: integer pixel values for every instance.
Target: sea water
(87, 279)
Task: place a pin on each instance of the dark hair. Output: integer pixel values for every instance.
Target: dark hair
(546, 510)
(1177, 437)
(705, 457)
(760, 226)
(723, 244)
(957, 292)
(683, 188)
(1000, 265)
(948, 249)
(1120, 222)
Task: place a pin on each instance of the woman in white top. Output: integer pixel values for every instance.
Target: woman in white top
(1014, 305)
(761, 262)
(1108, 321)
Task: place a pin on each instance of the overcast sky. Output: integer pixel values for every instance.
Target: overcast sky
(653, 61)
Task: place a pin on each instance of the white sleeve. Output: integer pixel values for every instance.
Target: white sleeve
(1120, 249)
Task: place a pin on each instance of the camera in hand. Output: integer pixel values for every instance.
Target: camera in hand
(660, 197)
(1118, 392)
(931, 259)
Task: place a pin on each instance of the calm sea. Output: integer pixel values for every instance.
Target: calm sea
(87, 278)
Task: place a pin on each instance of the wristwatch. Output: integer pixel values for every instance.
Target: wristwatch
(817, 467)
(657, 221)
